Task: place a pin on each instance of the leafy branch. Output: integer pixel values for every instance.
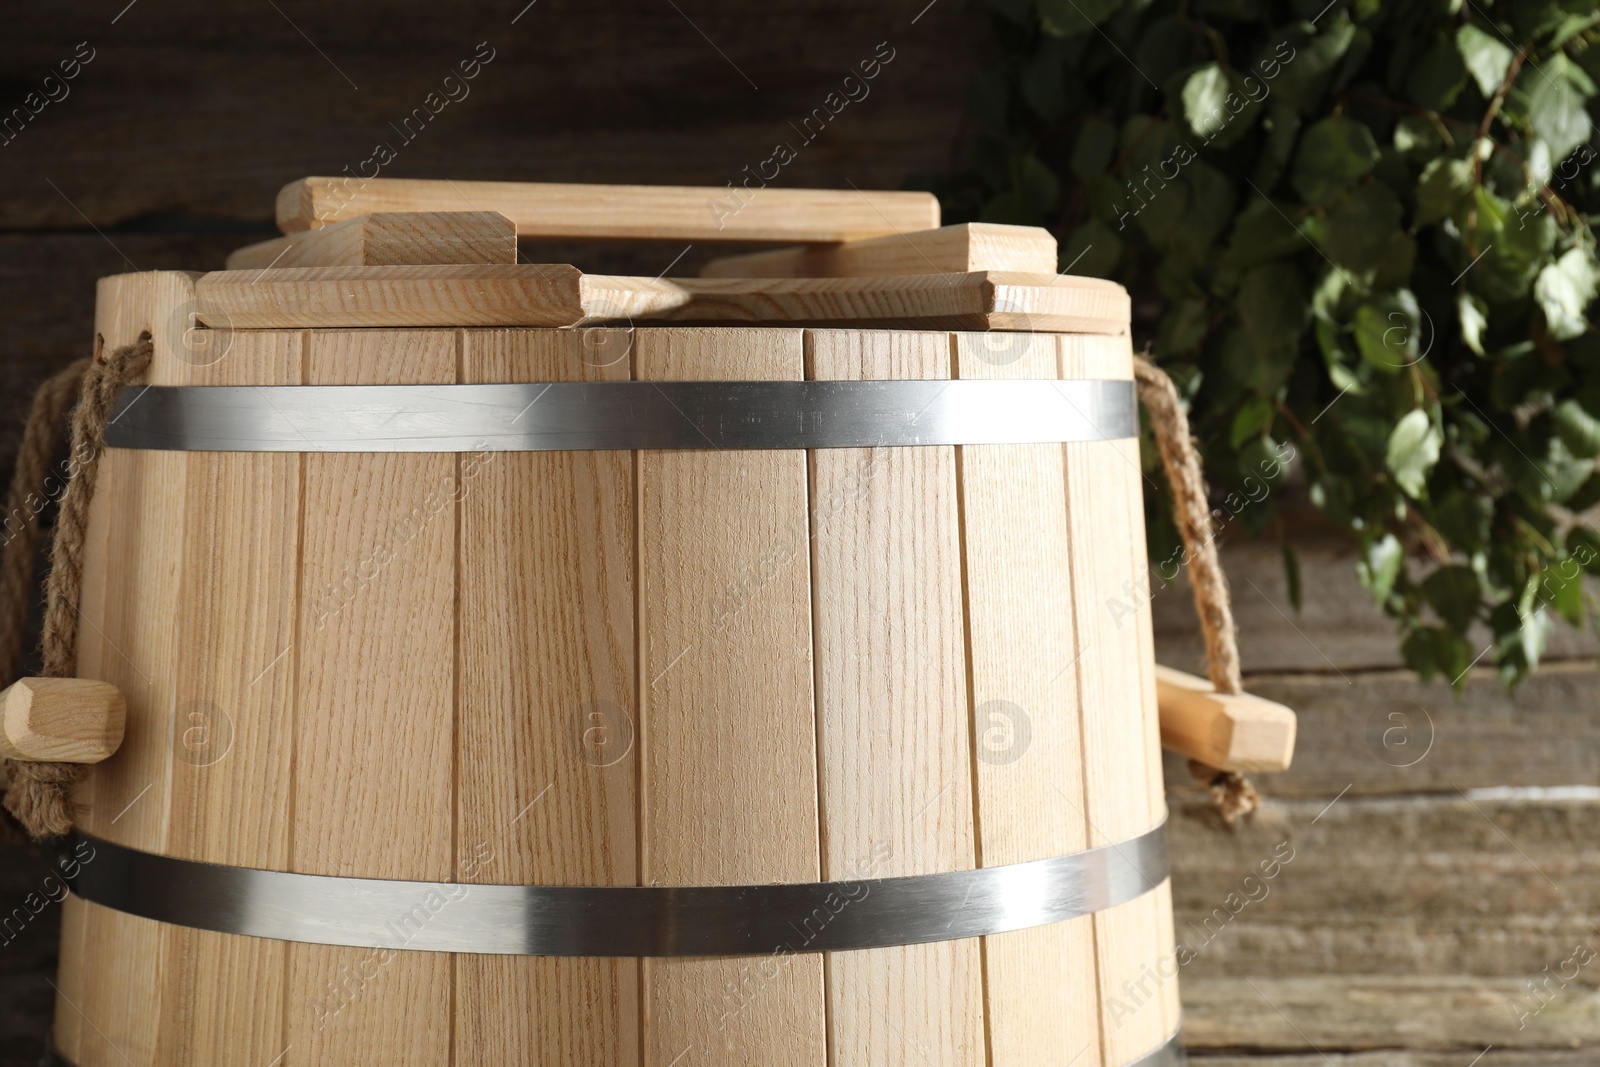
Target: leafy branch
(1367, 229)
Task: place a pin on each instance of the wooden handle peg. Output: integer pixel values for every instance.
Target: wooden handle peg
(61, 720)
(1232, 733)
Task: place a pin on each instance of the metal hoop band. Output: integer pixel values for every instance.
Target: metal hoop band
(547, 920)
(558, 416)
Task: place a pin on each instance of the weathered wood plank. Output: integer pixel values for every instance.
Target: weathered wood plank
(1351, 1013)
(1447, 885)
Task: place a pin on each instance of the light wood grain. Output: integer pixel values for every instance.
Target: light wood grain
(892, 716)
(126, 638)
(554, 295)
(645, 212)
(1024, 650)
(1115, 677)
(222, 996)
(1236, 732)
(374, 692)
(61, 720)
(969, 246)
(547, 758)
(339, 297)
(728, 790)
(389, 239)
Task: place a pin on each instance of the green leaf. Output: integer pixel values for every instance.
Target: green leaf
(1381, 567)
(1555, 104)
(1182, 326)
(1253, 419)
(1510, 250)
(1412, 452)
(1261, 232)
(1309, 57)
(1091, 155)
(1577, 428)
(1388, 329)
(1333, 154)
(1561, 589)
(1203, 96)
(1444, 186)
(1034, 190)
(1273, 308)
(1438, 77)
(1564, 289)
(1453, 592)
(1362, 229)
(1093, 250)
(1431, 650)
(1064, 18)
(1474, 317)
(1291, 574)
(1583, 545)
(1486, 58)
(1282, 124)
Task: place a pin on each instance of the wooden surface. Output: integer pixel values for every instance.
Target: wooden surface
(1027, 714)
(557, 295)
(1230, 731)
(714, 781)
(632, 212)
(959, 249)
(61, 720)
(549, 763)
(389, 239)
(885, 537)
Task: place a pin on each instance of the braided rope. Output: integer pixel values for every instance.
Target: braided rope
(38, 796)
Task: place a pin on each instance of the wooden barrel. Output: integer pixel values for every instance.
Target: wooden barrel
(676, 667)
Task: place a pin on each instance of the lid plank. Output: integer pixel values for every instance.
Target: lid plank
(638, 212)
(390, 238)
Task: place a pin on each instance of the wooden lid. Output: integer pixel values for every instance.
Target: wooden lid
(399, 252)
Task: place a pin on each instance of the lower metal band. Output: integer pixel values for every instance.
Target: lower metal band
(1168, 1054)
(547, 920)
(561, 416)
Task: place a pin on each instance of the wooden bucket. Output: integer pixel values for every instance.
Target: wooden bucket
(757, 652)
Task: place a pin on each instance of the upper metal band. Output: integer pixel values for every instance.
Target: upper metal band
(552, 416)
(547, 920)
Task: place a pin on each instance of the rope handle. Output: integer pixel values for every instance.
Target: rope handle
(38, 796)
(1231, 792)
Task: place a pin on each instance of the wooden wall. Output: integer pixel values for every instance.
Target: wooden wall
(1445, 850)
(166, 149)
